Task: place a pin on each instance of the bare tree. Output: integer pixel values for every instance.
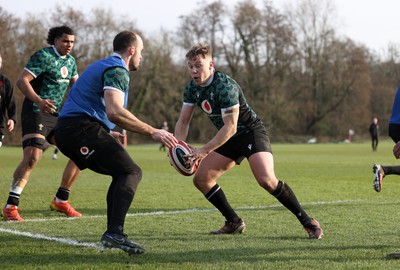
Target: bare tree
(156, 89)
(300, 77)
(8, 46)
(261, 60)
(247, 23)
(385, 77)
(204, 25)
(12, 63)
(328, 67)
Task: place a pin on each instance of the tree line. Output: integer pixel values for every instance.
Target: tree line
(298, 73)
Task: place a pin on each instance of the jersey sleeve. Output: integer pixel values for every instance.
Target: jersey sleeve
(37, 63)
(229, 95)
(188, 98)
(116, 78)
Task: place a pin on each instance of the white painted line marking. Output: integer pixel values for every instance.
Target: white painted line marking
(193, 210)
(52, 238)
(100, 247)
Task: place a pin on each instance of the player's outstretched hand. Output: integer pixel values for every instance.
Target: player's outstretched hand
(165, 137)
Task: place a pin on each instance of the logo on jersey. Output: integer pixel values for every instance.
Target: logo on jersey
(206, 107)
(40, 126)
(64, 72)
(250, 146)
(84, 150)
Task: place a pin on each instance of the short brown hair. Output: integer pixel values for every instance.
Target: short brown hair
(124, 40)
(200, 49)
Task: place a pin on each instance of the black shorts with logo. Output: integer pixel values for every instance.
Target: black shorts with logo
(245, 144)
(38, 122)
(89, 145)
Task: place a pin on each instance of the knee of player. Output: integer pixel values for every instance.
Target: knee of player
(196, 181)
(32, 160)
(134, 178)
(268, 183)
(129, 169)
(201, 180)
(33, 150)
(137, 172)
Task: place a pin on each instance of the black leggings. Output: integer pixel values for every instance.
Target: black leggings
(89, 145)
(394, 132)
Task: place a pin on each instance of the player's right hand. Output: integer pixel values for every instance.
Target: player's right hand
(47, 106)
(165, 137)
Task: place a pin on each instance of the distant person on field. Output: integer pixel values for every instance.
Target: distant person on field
(165, 127)
(381, 171)
(7, 105)
(44, 81)
(374, 132)
(241, 134)
(94, 106)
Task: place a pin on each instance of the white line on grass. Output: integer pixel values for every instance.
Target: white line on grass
(193, 210)
(99, 247)
(52, 238)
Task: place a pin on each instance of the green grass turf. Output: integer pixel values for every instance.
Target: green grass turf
(171, 219)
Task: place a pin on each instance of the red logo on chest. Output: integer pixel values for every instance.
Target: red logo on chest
(206, 107)
(64, 72)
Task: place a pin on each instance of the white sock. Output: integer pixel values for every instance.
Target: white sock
(16, 190)
(60, 201)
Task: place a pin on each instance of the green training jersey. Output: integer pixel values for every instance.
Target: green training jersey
(219, 98)
(52, 74)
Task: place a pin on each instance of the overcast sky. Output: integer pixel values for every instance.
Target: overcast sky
(373, 23)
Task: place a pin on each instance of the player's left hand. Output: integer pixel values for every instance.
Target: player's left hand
(10, 125)
(197, 155)
(117, 135)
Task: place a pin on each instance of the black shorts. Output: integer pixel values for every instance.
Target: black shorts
(42, 123)
(244, 145)
(394, 132)
(89, 145)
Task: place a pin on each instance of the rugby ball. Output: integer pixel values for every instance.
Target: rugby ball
(178, 161)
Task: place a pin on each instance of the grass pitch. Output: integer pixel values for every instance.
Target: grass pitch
(171, 219)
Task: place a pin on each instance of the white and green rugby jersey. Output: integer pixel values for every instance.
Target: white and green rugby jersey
(52, 74)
